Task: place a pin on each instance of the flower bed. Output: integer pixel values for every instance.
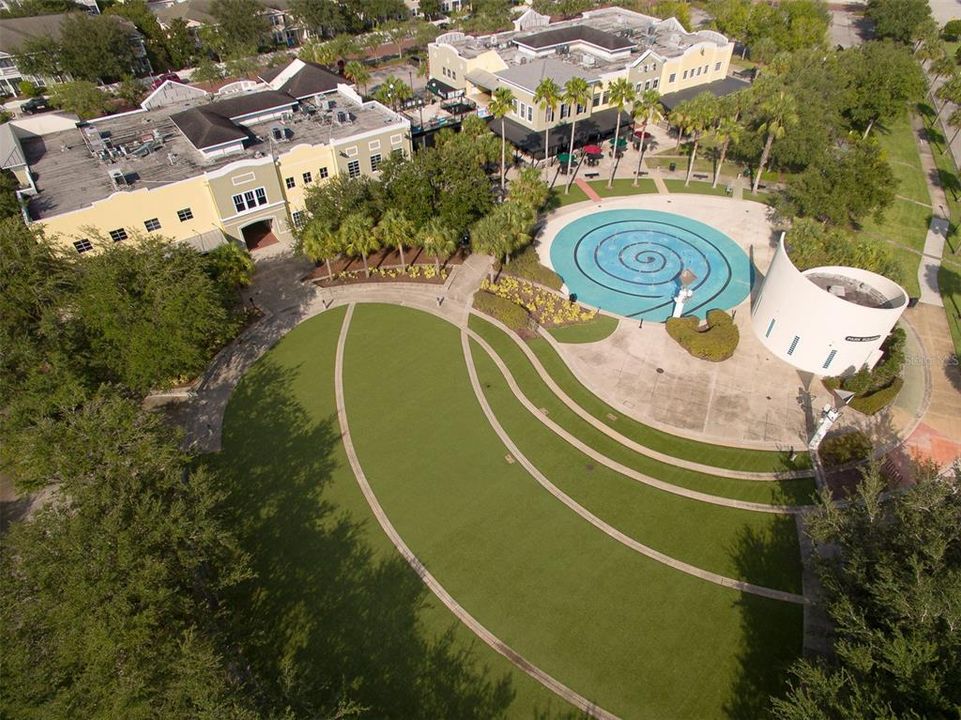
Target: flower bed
(548, 309)
(414, 273)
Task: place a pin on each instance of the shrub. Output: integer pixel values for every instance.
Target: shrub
(528, 265)
(952, 30)
(28, 89)
(513, 316)
(872, 402)
(715, 343)
(845, 448)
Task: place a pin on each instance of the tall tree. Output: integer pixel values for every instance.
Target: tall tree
(502, 101)
(155, 39)
(728, 130)
(898, 19)
(700, 114)
(319, 242)
(356, 237)
(949, 92)
(393, 91)
(357, 73)
(577, 93)
(883, 77)
(96, 48)
(622, 93)
(82, 98)
(242, 27)
(395, 230)
(778, 111)
(547, 95)
(112, 600)
(648, 107)
(322, 17)
(890, 571)
(437, 240)
(180, 44)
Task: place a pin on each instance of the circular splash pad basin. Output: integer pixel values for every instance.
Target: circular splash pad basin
(631, 262)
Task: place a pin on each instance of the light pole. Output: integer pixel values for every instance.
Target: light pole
(829, 416)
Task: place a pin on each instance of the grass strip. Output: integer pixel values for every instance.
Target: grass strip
(787, 492)
(624, 630)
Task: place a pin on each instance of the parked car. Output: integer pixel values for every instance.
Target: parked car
(161, 79)
(35, 105)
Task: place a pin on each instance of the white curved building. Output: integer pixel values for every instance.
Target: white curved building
(826, 320)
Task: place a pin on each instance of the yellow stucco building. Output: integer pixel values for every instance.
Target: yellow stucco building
(600, 46)
(201, 172)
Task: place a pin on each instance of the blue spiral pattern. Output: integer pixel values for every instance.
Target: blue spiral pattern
(629, 262)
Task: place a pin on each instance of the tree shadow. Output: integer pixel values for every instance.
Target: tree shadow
(773, 631)
(325, 617)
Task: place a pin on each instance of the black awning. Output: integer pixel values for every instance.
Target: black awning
(598, 126)
(443, 90)
(718, 88)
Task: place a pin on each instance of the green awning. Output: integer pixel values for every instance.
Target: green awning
(443, 90)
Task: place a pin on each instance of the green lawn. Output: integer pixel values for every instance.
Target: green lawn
(904, 223)
(761, 197)
(699, 533)
(786, 492)
(714, 455)
(630, 633)
(900, 146)
(949, 281)
(700, 188)
(623, 186)
(909, 262)
(560, 198)
(585, 332)
(332, 604)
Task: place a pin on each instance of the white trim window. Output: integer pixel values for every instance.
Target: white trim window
(152, 225)
(83, 245)
(118, 234)
(375, 162)
(185, 214)
(250, 200)
(353, 169)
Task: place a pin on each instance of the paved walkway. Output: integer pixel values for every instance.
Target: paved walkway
(588, 190)
(938, 230)
(611, 432)
(491, 640)
(607, 462)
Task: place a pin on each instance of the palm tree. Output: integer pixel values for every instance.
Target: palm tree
(621, 93)
(437, 240)
(393, 230)
(728, 130)
(941, 65)
(547, 95)
(678, 117)
(949, 92)
(648, 106)
(356, 236)
(357, 73)
(954, 120)
(780, 111)
(344, 46)
(502, 101)
(701, 115)
(319, 242)
(393, 91)
(576, 92)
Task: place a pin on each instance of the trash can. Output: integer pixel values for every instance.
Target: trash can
(672, 167)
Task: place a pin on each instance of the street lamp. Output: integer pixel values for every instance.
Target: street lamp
(829, 416)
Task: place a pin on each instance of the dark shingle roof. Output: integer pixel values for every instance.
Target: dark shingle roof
(212, 125)
(205, 129)
(242, 105)
(563, 36)
(311, 79)
(718, 88)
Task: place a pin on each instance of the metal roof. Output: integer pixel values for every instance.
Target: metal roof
(575, 33)
(11, 154)
(529, 75)
(718, 88)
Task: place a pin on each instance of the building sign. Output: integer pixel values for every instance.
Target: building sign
(855, 338)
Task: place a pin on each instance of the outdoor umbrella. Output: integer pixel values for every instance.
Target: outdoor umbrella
(621, 142)
(593, 150)
(564, 158)
(642, 135)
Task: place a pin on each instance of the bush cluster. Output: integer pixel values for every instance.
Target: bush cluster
(715, 343)
(845, 448)
(528, 265)
(513, 316)
(876, 400)
(876, 388)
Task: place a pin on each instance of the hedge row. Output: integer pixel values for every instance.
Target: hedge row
(717, 342)
(873, 402)
(513, 316)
